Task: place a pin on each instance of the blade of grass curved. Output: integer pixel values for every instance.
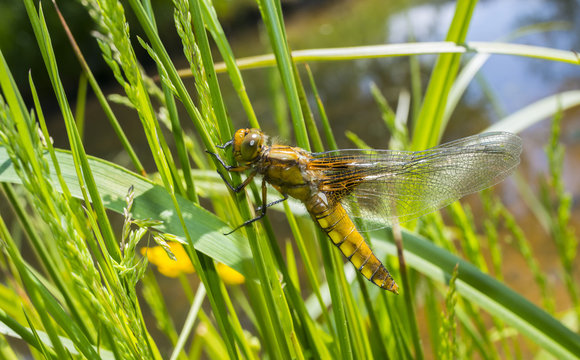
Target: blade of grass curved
(321, 112)
(405, 49)
(218, 34)
(225, 126)
(542, 109)
(99, 95)
(151, 202)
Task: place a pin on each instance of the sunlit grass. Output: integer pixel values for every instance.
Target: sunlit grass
(89, 285)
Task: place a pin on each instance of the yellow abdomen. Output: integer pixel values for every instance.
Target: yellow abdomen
(334, 220)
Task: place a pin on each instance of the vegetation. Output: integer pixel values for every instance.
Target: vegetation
(85, 290)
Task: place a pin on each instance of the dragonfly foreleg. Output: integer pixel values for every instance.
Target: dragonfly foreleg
(229, 143)
(229, 168)
(239, 188)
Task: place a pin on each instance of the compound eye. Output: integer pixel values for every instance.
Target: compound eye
(250, 146)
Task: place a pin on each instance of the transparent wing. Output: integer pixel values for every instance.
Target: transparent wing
(383, 185)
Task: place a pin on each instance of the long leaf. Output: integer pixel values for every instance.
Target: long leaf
(406, 49)
(151, 202)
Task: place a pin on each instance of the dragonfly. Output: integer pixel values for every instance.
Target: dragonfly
(380, 186)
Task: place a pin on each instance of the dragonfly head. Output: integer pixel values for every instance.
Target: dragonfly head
(248, 145)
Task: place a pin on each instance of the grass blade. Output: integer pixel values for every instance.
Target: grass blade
(493, 296)
(427, 129)
(407, 49)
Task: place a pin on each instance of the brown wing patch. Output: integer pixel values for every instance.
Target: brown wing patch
(336, 176)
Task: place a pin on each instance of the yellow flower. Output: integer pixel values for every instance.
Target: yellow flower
(229, 275)
(173, 268)
(170, 268)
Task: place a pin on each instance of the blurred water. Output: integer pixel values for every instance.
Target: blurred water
(514, 81)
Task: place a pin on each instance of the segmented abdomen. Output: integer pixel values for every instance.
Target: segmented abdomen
(336, 223)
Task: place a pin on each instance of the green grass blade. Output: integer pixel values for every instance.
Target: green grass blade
(307, 113)
(310, 270)
(100, 96)
(428, 128)
(219, 108)
(277, 34)
(188, 326)
(81, 104)
(332, 270)
(408, 294)
(217, 32)
(407, 49)
(493, 296)
(540, 110)
(10, 327)
(331, 141)
(169, 68)
(278, 103)
(376, 335)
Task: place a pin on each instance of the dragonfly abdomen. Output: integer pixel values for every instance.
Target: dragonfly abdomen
(336, 223)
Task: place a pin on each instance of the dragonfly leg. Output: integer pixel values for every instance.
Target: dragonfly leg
(229, 143)
(285, 197)
(230, 168)
(262, 208)
(237, 189)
